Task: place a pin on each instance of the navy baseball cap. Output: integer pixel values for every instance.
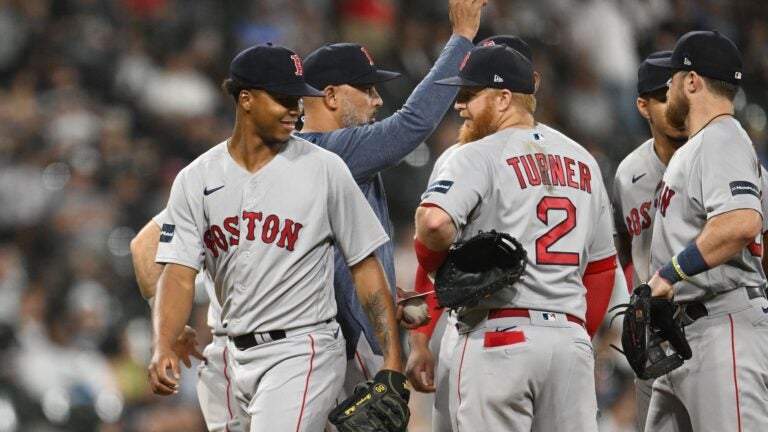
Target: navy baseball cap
(273, 68)
(708, 53)
(650, 77)
(496, 66)
(513, 42)
(343, 63)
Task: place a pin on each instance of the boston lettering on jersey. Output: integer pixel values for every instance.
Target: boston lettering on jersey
(286, 232)
(547, 169)
(639, 219)
(665, 198)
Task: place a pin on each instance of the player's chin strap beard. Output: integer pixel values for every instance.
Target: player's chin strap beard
(710, 121)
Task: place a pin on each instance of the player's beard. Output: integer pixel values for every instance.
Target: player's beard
(352, 116)
(677, 110)
(479, 127)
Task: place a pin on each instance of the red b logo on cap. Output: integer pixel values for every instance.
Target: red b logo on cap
(464, 62)
(367, 54)
(297, 63)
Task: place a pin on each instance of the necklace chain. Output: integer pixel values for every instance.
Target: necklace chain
(710, 121)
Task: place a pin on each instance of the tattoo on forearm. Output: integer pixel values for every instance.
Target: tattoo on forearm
(377, 315)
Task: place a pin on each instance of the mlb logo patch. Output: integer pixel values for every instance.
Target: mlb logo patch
(549, 316)
(166, 234)
(537, 136)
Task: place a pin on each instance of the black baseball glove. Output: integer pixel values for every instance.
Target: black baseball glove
(378, 405)
(478, 267)
(648, 322)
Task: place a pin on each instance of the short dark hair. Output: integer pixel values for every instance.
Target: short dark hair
(233, 88)
(721, 88)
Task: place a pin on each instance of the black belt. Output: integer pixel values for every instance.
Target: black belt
(250, 340)
(698, 310)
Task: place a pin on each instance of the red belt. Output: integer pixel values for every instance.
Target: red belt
(524, 313)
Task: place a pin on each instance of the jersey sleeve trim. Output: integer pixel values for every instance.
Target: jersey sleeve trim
(366, 252)
(601, 265)
(173, 260)
(737, 205)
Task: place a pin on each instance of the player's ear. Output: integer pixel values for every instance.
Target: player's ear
(504, 100)
(536, 82)
(245, 98)
(331, 98)
(642, 107)
(692, 82)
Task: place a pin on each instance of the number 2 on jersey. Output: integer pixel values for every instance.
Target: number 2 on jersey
(543, 243)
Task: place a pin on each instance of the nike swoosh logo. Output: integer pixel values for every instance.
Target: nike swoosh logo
(636, 178)
(207, 191)
(336, 333)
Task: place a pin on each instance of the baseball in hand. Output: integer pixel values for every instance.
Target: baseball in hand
(415, 310)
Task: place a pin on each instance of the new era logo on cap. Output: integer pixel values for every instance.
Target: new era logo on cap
(686, 61)
(498, 79)
(737, 75)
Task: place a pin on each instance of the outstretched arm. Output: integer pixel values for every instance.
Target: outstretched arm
(373, 292)
(370, 149)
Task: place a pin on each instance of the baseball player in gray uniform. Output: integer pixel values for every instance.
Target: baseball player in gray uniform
(425, 372)
(215, 390)
(523, 360)
(636, 184)
(707, 248)
(262, 212)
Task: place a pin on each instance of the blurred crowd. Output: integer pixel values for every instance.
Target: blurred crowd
(102, 102)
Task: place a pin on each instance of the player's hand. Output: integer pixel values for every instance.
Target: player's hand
(163, 358)
(420, 368)
(660, 287)
(186, 346)
(402, 295)
(465, 17)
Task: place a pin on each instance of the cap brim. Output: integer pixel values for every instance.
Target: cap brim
(652, 89)
(294, 89)
(662, 62)
(459, 82)
(375, 77)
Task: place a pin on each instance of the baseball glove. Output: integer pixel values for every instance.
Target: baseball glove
(648, 322)
(378, 405)
(478, 267)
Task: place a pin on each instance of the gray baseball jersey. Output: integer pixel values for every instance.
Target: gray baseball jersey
(545, 190)
(722, 386)
(267, 238)
(635, 185)
(715, 172)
